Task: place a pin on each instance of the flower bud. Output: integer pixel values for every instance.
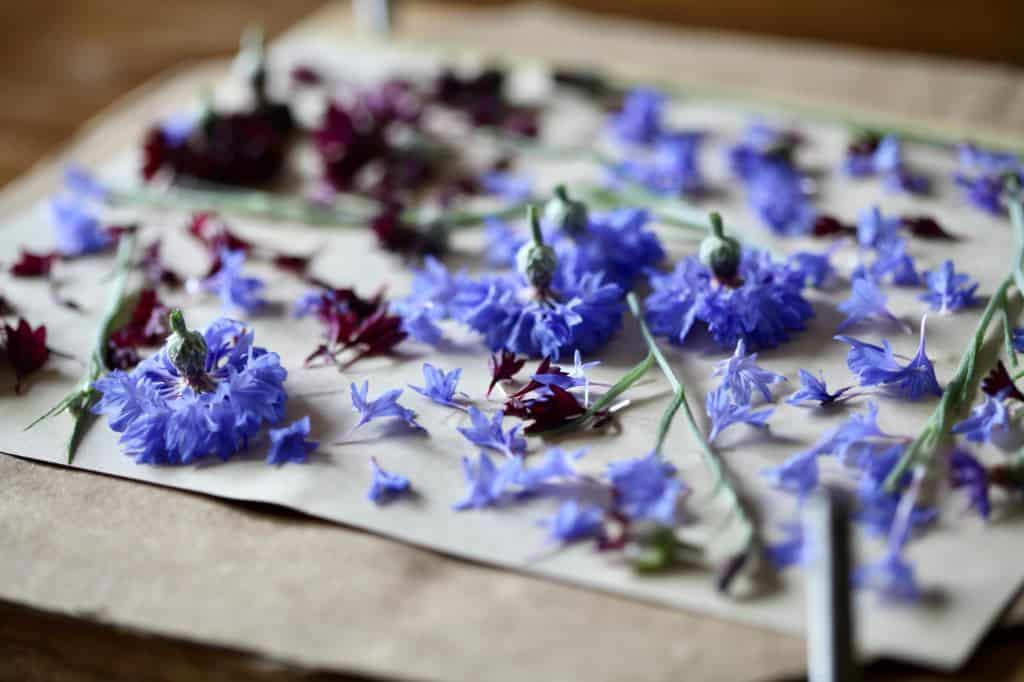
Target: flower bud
(720, 252)
(565, 214)
(535, 259)
(186, 349)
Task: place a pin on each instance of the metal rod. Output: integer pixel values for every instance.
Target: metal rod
(830, 627)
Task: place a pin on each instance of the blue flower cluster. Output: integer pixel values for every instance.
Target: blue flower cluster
(640, 120)
(166, 418)
(742, 380)
(763, 307)
(982, 176)
(878, 366)
(672, 169)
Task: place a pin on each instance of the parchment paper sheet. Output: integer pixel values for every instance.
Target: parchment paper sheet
(334, 486)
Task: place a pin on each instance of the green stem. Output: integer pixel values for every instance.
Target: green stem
(712, 461)
(80, 400)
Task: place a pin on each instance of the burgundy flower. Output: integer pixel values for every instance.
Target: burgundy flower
(504, 366)
(998, 380)
(925, 227)
(355, 323)
(481, 98)
(242, 149)
(152, 267)
(31, 264)
(826, 225)
(347, 144)
(147, 326)
(548, 413)
(25, 349)
(544, 367)
(395, 235)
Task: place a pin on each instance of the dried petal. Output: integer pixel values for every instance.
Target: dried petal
(998, 382)
(504, 367)
(26, 349)
(31, 264)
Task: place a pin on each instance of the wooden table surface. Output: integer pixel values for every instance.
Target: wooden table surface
(61, 63)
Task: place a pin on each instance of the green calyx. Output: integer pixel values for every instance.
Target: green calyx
(720, 252)
(536, 260)
(186, 349)
(565, 213)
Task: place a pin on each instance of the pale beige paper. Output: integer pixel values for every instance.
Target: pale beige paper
(254, 473)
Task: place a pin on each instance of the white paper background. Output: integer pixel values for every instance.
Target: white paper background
(975, 567)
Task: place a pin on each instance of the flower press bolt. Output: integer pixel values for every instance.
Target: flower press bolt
(566, 214)
(536, 260)
(186, 349)
(720, 252)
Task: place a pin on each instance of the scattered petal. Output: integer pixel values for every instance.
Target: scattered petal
(386, 486)
(289, 444)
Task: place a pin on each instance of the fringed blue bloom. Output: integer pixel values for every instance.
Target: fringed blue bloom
(487, 433)
(639, 121)
(236, 291)
(165, 417)
(877, 366)
(574, 521)
(866, 302)
(487, 484)
(790, 551)
(948, 290)
(76, 228)
(760, 145)
(673, 170)
(815, 269)
(776, 194)
(616, 243)
(741, 376)
(892, 263)
(440, 386)
(724, 411)
(512, 187)
(386, 486)
(557, 465)
(876, 231)
(433, 290)
(813, 389)
(982, 176)
(985, 420)
(798, 474)
(646, 488)
(289, 444)
(762, 307)
(384, 406)
(483, 484)
(580, 311)
(965, 471)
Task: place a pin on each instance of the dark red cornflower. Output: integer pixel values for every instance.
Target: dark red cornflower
(826, 225)
(215, 235)
(294, 264)
(546, 413)
(998, 380)
(347, 144)
(31, 264)
(544, 367)
(25, 349)
(925, 227)
(242, 149)
(152, 267)
(147, 326)
(355, 323)
(395, 235)
(504, 366)
(303, 74)
(482, 99)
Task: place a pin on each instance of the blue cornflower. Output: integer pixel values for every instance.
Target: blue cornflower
(798, 474)
(813, 389)
(776, 194)
(965, 471)
(616, 243)
(673, 170)
(639, 121)
(741, 376)
(384, 406)
(580, 310)
(891, 262)
(762, 306)
(985, 420)
(440, 385)
(724, 412)
(874, 230)
(760, 145)
(574, 521)
(236, 291)
(792, 550)
(487, 433)
(982, 176)
(866, 302)
(949, 290)
(77, 229)
(433, 290)
(892, 577)
(289, 444)
(509, 186)
(386, 486)
(502, 242)
(815, 269)
(556, 465)
(877, 366)
(646, 488)
(177, 408)
(485, 484)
